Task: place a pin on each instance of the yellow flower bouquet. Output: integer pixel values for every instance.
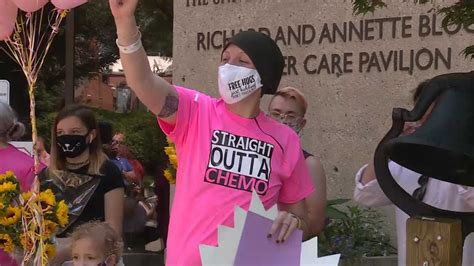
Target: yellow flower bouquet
(170, 171)
(20, 230)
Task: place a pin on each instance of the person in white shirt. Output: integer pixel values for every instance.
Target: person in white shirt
(440, 194)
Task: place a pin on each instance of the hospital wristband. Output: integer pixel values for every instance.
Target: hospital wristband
(132, 48)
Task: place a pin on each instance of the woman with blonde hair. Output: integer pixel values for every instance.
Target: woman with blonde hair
(80, 173)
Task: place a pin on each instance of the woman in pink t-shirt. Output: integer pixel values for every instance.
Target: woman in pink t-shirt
(11, 159)
(227, 147)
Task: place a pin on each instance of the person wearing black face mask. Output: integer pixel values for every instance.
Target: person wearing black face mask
(81, 174)
(72, 146)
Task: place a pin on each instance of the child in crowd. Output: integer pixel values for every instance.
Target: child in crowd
(96, 243)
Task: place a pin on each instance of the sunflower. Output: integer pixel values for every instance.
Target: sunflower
(8, 174)
(11, 217)
(169, 176)
(49, 228)
(26, 241)
(47, 200)
(26, 196)
(7, 187)
(6, 243)
(170, 150)
(62, 213)
(174, 161)
(50, 250)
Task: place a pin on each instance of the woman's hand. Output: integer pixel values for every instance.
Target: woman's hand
(123, 11)
(123, 8)
(287, 223)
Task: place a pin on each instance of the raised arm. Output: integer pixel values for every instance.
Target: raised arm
(156, 93)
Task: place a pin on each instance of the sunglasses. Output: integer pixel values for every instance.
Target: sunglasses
(288, 118)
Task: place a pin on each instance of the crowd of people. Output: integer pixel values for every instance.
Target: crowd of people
(216, 140)
(99, 182)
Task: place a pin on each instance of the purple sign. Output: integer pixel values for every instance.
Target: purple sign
(256, 249)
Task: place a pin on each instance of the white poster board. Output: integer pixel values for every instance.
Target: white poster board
(4, 91)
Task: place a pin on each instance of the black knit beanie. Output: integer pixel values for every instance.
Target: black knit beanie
(265, 55)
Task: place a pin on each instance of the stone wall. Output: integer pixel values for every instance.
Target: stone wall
(353, 69)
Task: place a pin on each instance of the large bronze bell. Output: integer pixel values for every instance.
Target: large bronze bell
(442, 148)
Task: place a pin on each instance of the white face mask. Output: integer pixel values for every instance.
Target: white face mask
(236, 82)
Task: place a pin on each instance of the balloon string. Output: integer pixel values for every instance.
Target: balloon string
(28, 46)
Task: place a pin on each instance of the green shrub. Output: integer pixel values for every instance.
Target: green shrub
(354, 233)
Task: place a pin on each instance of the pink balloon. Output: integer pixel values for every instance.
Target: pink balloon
(30, 5)
(67, 4)
(8, 12)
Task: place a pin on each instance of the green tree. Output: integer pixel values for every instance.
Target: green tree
(95, 50)
(155, 18)
(460, 13)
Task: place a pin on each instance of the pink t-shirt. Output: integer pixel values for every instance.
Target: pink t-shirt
(222, 158)
(6, 260)
(12, 159)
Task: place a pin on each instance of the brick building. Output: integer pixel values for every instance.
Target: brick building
(110, 91)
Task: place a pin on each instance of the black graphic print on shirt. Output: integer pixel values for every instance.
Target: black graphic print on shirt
(239, 162)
